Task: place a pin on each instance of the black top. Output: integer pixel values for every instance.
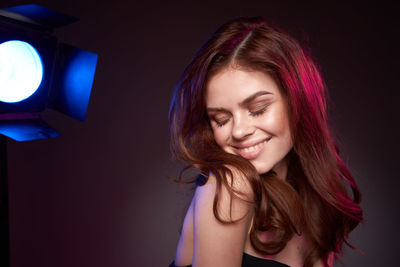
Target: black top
(250, 261)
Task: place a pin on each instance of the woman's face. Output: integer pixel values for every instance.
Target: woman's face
(249, 118)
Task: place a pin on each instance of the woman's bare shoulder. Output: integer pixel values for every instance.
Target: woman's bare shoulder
(235, 181)
(218, 243)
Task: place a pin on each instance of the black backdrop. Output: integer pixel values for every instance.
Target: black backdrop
(99, 195)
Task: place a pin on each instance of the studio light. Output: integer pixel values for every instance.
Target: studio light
(38, 72)
(21, 71)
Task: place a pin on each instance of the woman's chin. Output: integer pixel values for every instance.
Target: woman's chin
(279, 169)
(262, 168)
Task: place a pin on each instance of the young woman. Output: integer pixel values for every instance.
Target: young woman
(249, 112)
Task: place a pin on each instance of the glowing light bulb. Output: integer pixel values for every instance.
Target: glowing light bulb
(21, 71)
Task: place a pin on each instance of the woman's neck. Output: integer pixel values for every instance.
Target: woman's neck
(281, 169)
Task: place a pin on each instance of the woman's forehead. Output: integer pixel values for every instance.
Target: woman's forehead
(235, 85)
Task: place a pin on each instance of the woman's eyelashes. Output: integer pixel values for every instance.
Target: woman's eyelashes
(258, 112)
(224, 119)
(220, 121)
(258, 109)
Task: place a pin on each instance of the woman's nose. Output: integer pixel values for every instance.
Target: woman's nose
(242, 127)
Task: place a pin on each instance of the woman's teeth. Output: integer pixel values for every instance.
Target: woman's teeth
(252, 148)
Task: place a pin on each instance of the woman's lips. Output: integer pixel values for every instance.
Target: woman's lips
(251, 152)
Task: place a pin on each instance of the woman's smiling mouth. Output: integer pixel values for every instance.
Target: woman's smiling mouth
(251, 152)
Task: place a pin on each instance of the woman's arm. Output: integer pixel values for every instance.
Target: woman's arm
(215, 243)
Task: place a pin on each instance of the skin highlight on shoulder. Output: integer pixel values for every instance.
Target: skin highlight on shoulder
(217, 243)
(231, 206)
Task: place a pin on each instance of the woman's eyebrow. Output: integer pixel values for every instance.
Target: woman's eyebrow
(245, 102)
(249, 99)
(217, 110)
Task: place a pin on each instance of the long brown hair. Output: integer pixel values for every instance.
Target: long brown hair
(313, 200)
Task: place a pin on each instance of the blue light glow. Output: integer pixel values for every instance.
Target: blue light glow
(27, 130)
(72, 86)
(21, 71)
(78, 83)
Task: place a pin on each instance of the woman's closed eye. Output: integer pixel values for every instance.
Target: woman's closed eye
(258, 110)
(220, 120)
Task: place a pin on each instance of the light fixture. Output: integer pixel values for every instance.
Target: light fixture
(21, 71)
(38, 72)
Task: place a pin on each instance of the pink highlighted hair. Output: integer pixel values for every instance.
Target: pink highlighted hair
(313, 201)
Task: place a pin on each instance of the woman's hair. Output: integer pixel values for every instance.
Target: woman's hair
(314, 199)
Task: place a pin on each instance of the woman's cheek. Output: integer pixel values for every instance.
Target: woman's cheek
(220, 136)
(277, 122)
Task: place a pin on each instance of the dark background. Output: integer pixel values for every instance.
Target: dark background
(99, 195)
